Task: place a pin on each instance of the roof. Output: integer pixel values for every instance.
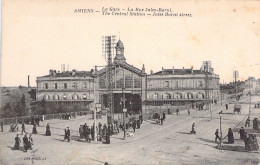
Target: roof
(178, 72)
(69, 74)
(120, 44)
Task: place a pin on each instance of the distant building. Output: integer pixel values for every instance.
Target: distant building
(168, 86)
(252, 85)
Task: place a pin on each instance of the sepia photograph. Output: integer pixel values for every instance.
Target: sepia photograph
(130, 82)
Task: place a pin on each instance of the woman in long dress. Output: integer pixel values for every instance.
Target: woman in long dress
(48, 131)
(230, 136)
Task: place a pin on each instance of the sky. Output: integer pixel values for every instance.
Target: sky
(41, 35)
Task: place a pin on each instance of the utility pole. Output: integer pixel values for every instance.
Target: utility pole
(207, 66)
(124, 111)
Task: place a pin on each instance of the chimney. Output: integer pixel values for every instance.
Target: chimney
(151, 72)
(51, 72)
(162, 70)
(183, 69)
(73, 72)
(28, 80)
(54, 72)
(191, 69)
(173, 70)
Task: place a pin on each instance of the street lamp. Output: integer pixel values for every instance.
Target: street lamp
(220, 116)
(124, 110)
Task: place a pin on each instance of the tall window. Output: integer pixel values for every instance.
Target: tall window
(56, 86)
(84, 85)
(75, 85)
(65, 86)
(166, 84)
(46, 85)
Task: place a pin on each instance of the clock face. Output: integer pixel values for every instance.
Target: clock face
(119, 52)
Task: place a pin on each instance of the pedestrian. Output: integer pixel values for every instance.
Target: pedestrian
(217, 136)
(2, 125)
(92, 133)
(30, 142)
(34, 130)
(17, 142)
(242, 133)
(164, 115)
(48, 131)
(80, 132)
(189, 111)
(161, 118)
(141, 118)
(67, 134)
(193, 129)
(247, 122)
(134, 125)
(226, 106)
(23, 128)
(138, 124)
(177, 111)
(230, 136)
(25, 143)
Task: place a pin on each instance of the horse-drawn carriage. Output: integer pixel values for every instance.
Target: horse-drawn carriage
(237, 108)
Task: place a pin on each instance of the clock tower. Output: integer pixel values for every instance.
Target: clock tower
(119, 52)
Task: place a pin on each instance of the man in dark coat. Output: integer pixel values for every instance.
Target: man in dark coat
(25, 142)
(17, 143)
(141, 118)
(134, 125)
(242, 133)
(34, 131)
(67, 134)
(230, 136)
(48, 131)
(138, 124)
(177, 111)
(23, 128)
(226, 106)
(164, 116)
(92, 133)
(2, 125)
(217, 136)
(161, 118)
(193, 129)
(247, 122)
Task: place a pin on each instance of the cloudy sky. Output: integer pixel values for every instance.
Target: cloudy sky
(42, 35)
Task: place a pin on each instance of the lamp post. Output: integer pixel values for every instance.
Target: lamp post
(220, 116)
(124, 110)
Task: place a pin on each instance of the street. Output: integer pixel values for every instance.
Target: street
(169, 143)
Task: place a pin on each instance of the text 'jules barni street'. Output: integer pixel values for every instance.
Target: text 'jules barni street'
(134, 11)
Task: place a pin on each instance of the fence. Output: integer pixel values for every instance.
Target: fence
(8, 121)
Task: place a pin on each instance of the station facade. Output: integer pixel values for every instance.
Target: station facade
(168, 86)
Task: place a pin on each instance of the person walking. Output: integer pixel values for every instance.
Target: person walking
(164, 115)
(34, 131)
(217, 136)
(2, 125)
(23, 128)
(226, 106)
(193, 129)
(134, 125)
(230, 136)
(48, 131)
(189, 111)
(67, 134)
(247, 122)
(177, 111)
(25, 143)
(17, 142)
(242, 133)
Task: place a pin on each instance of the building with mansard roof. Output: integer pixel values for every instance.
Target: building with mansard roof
(168, 86)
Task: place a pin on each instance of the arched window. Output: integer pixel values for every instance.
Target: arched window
(64, 96)
(84, 96)
(75, 97)
(200, 96)
(178, 96)
(189, 96)
(55, 97)
(156, 96)
(167, 96)
(47, 97)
